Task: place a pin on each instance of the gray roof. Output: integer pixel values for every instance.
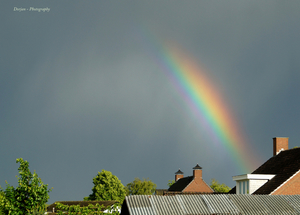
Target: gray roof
(211, 204)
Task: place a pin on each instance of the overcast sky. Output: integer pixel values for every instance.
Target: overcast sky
(80, 91)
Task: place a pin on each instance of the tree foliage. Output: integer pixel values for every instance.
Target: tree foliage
(1, 199)
(29, 197)
(219, 188)
(107, 187)
(87, 210)
(140, 187)
(171, 182)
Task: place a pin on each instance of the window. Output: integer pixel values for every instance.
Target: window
(243, 187)
(247, 191)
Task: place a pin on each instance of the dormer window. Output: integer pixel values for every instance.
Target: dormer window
(249, 183)
(243, 187)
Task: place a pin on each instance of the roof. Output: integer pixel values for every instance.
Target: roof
(211, 204)
(179, 172)
(81, 203)
(284, 165)
(181, 184)
(197, 167)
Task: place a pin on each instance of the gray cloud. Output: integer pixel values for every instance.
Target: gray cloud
(80, 92)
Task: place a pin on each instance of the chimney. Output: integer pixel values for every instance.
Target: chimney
(197, 172)
(280, 144)
(178, 175)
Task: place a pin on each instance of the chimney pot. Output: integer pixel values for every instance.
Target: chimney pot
(280, 144)
(197, 172)
(178, 175)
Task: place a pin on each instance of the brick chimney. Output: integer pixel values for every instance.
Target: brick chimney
(197, 172)
(178, 175)
(280, 144)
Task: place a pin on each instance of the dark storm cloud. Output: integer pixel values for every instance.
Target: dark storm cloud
(80, 93)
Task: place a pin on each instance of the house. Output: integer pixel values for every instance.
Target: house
(230, 204)
(280, 175)
(51, 209)
(190, 184)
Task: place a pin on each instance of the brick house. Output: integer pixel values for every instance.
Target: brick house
(280, 175)
(190, 184)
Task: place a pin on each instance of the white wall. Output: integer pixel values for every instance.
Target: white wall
(255, 184)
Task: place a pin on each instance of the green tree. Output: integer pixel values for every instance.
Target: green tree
(29, 197)
(1, 199)
(140, 187)
(171, 182)
(107, 187)
(219, 188)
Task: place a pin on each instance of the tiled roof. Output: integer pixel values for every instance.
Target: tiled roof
(181, 184)
(283, 166)
(232, 191)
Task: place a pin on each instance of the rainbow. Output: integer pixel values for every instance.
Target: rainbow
(206, 102)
